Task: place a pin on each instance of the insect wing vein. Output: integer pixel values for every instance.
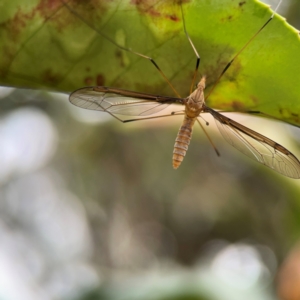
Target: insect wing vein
(257, 146)
(121, 102)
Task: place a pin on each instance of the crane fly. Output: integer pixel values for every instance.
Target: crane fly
(120, 102)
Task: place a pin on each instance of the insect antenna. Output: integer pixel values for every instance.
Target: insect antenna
(241, 50)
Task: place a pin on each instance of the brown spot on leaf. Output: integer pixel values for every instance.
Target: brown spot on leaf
(15, 25)
(158, 9)
(50, 78)
(45, 10)
(226, 19)
(46, 7)
(120, 57)
(242, 3)
(174, 18)
(88, 81)
(146, 7)
(100, 80)
(72, 12)
(238, 105)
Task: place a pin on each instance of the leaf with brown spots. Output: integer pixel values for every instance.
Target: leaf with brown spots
(46, 44)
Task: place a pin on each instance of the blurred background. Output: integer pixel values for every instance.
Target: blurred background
(92, 209)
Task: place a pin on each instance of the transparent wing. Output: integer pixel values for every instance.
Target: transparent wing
(121, 102)
(257, 146)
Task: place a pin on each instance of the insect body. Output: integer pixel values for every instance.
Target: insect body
(193, 107)
(119, 102)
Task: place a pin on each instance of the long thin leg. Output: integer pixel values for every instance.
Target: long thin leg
(210, 140)
(241, 50)
(195, 50)
(122, 47)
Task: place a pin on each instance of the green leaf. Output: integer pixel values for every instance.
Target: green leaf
(46, 44)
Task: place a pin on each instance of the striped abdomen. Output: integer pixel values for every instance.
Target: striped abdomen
(182, 141)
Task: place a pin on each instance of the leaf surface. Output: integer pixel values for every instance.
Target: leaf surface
(64, 46)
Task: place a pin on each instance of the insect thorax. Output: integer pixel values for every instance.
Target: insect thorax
(194, 103)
